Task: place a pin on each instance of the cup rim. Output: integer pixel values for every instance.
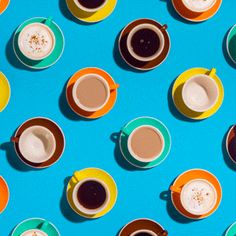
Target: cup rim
(76, 84)
(143, 231)
(41, 231)
(83, 8)
(80, 207)
(159, 34)
(147, 160)
(52, 34)
(199, 11)
(42, 128)
(189, 182)
(185, 88)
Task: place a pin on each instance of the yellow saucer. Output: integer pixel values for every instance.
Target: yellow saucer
(91, 17)
(5, 91)
(91, 173)
(177, 94)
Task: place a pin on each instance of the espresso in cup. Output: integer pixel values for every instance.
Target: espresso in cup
(198, 197)
(37, 144)
(91, 5)
(34, 232)
(199, 5)
(36, 41)
(145, 42)
(91, 196)
(145, 143)
(143, 232)
(200, 93)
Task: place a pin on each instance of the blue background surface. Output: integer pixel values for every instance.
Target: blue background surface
(88, 143)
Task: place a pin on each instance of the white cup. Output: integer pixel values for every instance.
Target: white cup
(34, 232)
(86, 9)
(200, 93)
(84, 209)
(200, 8)
(153, 28)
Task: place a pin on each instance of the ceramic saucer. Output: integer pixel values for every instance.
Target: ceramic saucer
(5, 91)
(178, 100)
(231, 143)
(231, 43)
(90, 173)
(3, 5)
(139, 224)
(52, 58)
(190, 175)
(231, 230)
(184, 12)
(133, 125)
(129, 59)
(57, 132)
(35, 223)
(90, 115)
(91, 17)
(4, 193)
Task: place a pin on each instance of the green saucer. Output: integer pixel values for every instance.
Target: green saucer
(232, 230)
(231, 44)
(133, 125)
(52, 58)
(35, 223)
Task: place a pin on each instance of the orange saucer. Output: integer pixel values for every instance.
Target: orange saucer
(4, 193)
(184, 12)
(3, 5)
(91, 115)
(190, 175)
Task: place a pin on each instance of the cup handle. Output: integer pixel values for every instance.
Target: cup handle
(175, 189)
(125, 131)
(164, 27)
(48, 21)
(212, 72)
(163, 233)
(114, 87)
(44, 225)
(75, 177)
(15, 139)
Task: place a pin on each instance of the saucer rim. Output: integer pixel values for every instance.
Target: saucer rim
(45, 118)
(227, 43)
(34, 219)
(2, 75)
(8, 193)
(230, 227)
(226, 143)
(43, 67)
(139, 68)
(202, 216)
(158, 163)
(8, 2)
(91, 21)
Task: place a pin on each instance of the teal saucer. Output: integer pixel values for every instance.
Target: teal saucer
(36, 223)
(52, 58)
(133, 125)
(231, 230)
(231, 43)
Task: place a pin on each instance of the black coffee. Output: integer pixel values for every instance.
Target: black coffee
(91, 194)
(145, 42)
(91, 3)
(143, 234)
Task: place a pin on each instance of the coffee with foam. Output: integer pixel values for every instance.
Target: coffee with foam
(198, 197)
(34, 232)
(199, 5)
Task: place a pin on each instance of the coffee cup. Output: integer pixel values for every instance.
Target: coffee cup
(91, 195)
(34, 232)
(199, 6)
(147, 232)
(37, 41)
(145, 143)
(197, 196)
(200, 93)
(145, 42)
(91, 92)
(90, 6)
(37, 144)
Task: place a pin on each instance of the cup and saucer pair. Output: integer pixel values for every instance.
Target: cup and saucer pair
(196, 194)
(231, 44)
(196, 11)
(144, 44)
(91, 193)
(4, 193)
(145, 142)
(3, 5)
(91, 11)
(198, 93)
(38, 43)
(91, 93)
(143, 226)
(5, 91)
(35, 227)
(39, 142)
(231, 230)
